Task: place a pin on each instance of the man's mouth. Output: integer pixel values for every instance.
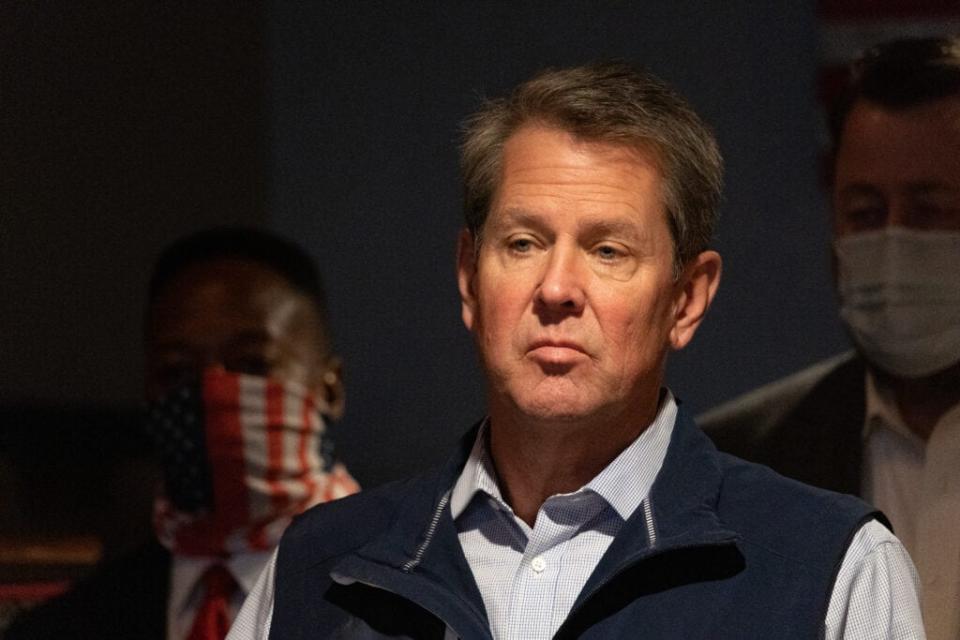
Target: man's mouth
(556, 352)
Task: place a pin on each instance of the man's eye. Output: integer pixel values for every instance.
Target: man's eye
(254, 365)
(863, 218)
(173, 374)
(929, 215)
(606, 252)
(521, 245)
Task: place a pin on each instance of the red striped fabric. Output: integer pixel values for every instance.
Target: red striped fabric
(275, 454)
(309, 410)
(263, 442)
(225, 436)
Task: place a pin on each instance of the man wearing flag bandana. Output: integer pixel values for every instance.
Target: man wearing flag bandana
(239, 377)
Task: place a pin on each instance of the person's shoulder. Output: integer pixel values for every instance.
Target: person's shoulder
(339, 526)
(786, 517)
(769, 403)
(129, 589)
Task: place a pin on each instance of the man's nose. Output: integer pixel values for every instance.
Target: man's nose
(215, 365)
(206, 364)
(901, 214)
(564, 277)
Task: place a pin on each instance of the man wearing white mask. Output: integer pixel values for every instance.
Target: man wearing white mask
(884, 421)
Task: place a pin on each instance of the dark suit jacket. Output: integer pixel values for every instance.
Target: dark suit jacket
(124, 598)
(807, 426)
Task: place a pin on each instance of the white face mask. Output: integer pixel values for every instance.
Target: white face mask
(900, 297)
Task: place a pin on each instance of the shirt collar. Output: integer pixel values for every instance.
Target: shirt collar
(186, 572)
(882, 411)
(623, 484)
(478, 475)
(626, 481)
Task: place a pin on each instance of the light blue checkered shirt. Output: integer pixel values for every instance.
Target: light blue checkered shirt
(530, 578)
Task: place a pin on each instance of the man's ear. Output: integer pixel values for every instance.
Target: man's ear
(329, 388)
(696, 288)
(466, 271)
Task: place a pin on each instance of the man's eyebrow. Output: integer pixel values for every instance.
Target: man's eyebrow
(858, 189)
(593, 226)
(515, 216)
(251, 338)
(248, 338)
(931, 188)
(913, 189)
(172, 345)
(605, 227)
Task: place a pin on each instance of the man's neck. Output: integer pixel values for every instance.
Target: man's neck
(923, 401)
(536, 460)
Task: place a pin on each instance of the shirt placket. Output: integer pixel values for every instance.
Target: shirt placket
(938, 540)
(534, 613)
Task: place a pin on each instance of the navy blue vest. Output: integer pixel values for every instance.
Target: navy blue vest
(736, 552)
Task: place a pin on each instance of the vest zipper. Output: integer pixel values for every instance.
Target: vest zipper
(411, 564)
(648, 520)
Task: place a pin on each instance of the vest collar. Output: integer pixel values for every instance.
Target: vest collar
(681, 511)
(419, 556)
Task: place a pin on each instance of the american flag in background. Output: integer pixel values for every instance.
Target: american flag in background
(263, 444)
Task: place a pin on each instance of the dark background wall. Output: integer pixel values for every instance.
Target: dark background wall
(122, 125)
(365, 104)
(127, 124)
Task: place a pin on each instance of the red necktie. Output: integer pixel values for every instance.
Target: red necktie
(213, 616)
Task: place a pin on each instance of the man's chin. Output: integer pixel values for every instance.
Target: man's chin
(558, 415)
(562, 407)
(548, 399)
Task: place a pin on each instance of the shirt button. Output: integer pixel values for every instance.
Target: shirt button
(538, 564)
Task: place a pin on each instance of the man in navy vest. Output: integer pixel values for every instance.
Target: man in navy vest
(587, 504)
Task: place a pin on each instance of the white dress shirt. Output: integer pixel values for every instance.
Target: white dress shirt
(530, 577)
(916, 483)
(519, 568)
(187, 592)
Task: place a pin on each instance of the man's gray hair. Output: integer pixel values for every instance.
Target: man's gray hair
(613, 103)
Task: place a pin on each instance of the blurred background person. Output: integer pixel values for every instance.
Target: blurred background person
(129, 124)
(884, 421)
(239, 377)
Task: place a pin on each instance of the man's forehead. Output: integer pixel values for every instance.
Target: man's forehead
(220, 295)
(643, 150)
(240, 278)
(919, 145)
(868, 119)
(540, 160)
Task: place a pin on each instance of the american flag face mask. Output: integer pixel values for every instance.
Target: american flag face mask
(241, 456)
